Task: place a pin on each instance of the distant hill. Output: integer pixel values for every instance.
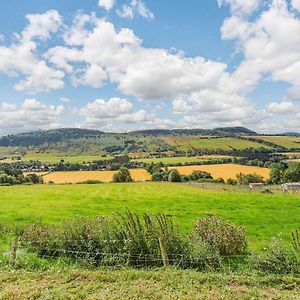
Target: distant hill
(222, 131)
(40, 137)
(235, 130)
(291, 134)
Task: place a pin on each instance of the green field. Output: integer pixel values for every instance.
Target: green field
(138, 284)
(284, 141)
(263, 215)
(181, 159)
(186, 143)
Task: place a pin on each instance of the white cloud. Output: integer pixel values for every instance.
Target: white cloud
(296, 4)
(284, 107)
(102, 109)
(270, 44)
(294, 93)
(106, 4)
(180, 106)
(119, 57)
(30, 115)
(21, 59)
(244, 7)
(41, 25)
(136, 7)
(93, 76)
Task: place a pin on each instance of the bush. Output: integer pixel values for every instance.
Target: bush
(231, 181)
(196, 175)
(276, 258)
(249, 178)
(226, 238)
(174, 176)
(123, 175)
(90, 181)
(126, 240)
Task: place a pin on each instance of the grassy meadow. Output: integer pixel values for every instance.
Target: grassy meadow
(166, 283)
(224, 171)
(263, 215)
(182, 159)
(185, 143)
(284, 141)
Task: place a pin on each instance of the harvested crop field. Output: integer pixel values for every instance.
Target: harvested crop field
(224, 171)
(103, 176)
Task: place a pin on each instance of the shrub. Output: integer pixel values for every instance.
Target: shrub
(196, 175)
(126, 240)
(249, 178)
(157, 176)
(174, 176)
(276, 258)
(123, 175)
(231, 181)
(90, 181)
(223, 236)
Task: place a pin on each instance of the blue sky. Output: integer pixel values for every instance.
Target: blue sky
(121, 65)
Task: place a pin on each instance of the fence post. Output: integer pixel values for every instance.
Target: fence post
(163, 250)
(14, 248)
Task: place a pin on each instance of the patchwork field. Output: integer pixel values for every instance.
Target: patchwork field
(263, 215)
(185, 143)
(284, 141)
(103, 176)
(182, 160)
(224, 171)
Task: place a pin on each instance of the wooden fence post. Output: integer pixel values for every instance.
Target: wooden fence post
(14, 248)
(163, 250)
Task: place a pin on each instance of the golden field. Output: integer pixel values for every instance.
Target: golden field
(224, 171)
(103, 176)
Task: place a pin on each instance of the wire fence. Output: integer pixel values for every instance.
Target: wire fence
(274, 189)
(160, 257)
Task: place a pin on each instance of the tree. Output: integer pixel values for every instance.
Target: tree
(196, 175)
(157, 176)
(174, 176)
(123, 175)
(277, 172)
(292, 174)
(249, 178)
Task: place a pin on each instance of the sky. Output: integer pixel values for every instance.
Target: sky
(122, 65)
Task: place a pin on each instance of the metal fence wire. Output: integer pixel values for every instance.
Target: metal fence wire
(97, 258)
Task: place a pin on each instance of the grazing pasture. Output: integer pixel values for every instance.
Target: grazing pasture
(103, 176)
(263, 215)
(224, 171)
(182, 159)
(186, 143)
(283, 141)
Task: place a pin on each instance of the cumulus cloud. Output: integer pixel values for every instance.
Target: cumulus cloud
(241, 7)
(296, 4)
(118, 56)
(270, 45)
(106, 4)
(21, 59)
(136, 7)
(30, 115)
(294, 93)
(284, 107)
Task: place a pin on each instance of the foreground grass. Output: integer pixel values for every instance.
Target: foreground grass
(263, 215)
(138, 284)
